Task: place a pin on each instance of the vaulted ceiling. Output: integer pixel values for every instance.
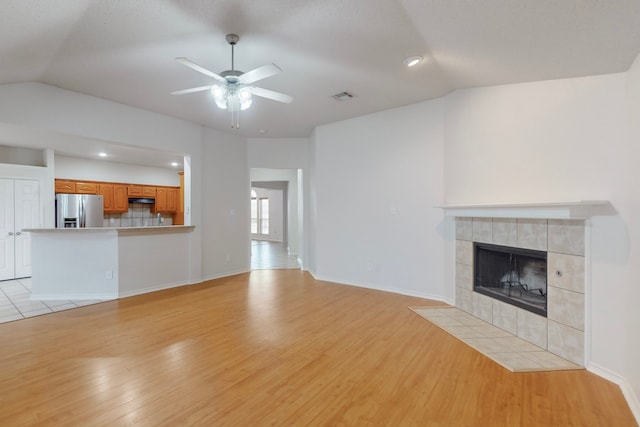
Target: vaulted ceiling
(125, 51)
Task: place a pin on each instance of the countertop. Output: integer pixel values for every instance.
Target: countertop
(150, 229)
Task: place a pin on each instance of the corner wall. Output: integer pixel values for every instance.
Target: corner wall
(563, 140)
(376, 181)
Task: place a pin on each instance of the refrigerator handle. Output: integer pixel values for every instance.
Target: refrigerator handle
(81, 216)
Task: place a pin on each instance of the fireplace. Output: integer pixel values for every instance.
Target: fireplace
(516, 276)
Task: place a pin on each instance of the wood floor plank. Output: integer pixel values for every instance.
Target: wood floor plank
(274, 348)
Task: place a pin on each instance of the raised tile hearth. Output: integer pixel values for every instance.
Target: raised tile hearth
(513, 353)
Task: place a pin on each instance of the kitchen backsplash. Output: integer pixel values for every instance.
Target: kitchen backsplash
(138, 215)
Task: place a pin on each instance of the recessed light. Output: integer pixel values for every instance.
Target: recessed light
(174, 164)
(102, 154)
(413, 60)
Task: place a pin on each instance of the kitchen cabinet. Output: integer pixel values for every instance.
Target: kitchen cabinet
(65, 186)
(141, 191)
(166, 200)
(172, 199)
(134, 190)
(115, 197)
(86, 188)
(149, 192)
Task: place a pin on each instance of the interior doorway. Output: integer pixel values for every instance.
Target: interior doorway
(276, 218)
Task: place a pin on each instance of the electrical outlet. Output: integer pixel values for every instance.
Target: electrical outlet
(108, 275)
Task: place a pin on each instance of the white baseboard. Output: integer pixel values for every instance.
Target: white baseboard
(225, 274)
(151, 289)
(76, 297)
(381, 288)
(625, 387)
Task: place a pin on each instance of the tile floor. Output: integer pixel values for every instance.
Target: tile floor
(515, 354)
(15, 302)
(272, 256)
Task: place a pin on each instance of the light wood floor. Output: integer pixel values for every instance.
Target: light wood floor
(274, 348)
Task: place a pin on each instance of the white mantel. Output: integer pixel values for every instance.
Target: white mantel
(583, 209)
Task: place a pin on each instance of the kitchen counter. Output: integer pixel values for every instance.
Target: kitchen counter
(154, 229)
(109, 262)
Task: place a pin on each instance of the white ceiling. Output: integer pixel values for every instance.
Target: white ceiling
(125, 50)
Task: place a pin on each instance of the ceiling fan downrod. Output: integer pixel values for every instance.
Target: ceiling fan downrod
(232, 39)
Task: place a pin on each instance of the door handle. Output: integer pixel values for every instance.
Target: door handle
(18, 233)
(10, 234)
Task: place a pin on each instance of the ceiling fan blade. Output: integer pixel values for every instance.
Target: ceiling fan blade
(193, 89)
(270, 94)
(198, 68)
(259, 74)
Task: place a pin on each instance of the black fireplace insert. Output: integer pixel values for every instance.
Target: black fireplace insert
(514, 275)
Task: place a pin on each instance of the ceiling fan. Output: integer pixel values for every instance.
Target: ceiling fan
(233, 89)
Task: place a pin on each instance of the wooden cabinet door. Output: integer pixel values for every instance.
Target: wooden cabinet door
(115, 198)
(134, 190)
(161, 199)
(107, 196)
(172, 200)
(120, 198)
(149, 192)
(64, 186)
(86, 188)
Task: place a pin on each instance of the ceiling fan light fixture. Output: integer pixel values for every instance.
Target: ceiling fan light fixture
(220, 96)
(245, 97)
(413, 60)
(233, 90)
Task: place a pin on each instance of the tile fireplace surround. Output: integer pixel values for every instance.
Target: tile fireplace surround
(563, 331)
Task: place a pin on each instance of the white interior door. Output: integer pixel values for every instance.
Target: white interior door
(7, 237)
(27, 215)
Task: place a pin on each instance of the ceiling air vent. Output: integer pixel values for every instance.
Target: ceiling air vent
(342, 96)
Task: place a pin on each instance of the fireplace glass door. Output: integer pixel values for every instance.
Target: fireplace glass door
(514, 275)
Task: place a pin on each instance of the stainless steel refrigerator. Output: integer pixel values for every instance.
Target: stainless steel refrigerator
(79, 210)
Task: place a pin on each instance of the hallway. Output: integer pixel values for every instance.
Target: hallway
(272, 256)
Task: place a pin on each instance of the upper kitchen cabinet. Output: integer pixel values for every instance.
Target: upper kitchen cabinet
(86, 188)
(141, 191)
(166, 200)
(64, 186)
(75, 187)
(115, 197)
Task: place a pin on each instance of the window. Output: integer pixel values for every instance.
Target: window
(254, 214)
(259, 214)
(264, 216)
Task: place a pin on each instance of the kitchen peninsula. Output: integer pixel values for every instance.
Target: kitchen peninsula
(108, 263)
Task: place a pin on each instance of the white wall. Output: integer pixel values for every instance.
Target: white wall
(630, 311)
(96, 170)
(563, 140)
(225, 197)
(375, 183)
(278, 153)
